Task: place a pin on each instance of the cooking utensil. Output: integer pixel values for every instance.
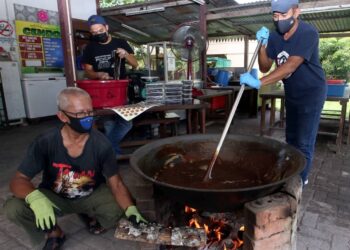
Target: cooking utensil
(117, 63)
(208, 175)
(288, 162)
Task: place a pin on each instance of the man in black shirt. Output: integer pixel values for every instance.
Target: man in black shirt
(99, 63)
(76, 161)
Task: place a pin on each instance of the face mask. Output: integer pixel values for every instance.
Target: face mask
(81, 125)
(100, 38)
(283, 26)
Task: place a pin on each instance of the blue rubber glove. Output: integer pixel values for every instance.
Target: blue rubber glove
(263, 35)
(250, 80)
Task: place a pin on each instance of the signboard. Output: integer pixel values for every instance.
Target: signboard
(6, 33)
(40, 44)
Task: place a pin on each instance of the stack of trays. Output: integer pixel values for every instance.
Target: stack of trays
(155, 93)
(173, 93)
(187, 91)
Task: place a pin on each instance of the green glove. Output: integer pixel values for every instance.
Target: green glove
(132, 211)
(42, 208)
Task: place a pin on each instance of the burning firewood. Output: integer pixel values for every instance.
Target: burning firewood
(156, 234)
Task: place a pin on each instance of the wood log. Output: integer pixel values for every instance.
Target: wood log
(156, 234)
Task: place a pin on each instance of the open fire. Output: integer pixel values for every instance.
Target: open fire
(222, 229)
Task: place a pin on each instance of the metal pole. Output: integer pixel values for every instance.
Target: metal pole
(229, 120)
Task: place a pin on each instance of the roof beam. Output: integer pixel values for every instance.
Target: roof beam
(265, 8)
(156, 4)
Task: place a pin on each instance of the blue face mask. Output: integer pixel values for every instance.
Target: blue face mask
(283, 26)
(81, 125)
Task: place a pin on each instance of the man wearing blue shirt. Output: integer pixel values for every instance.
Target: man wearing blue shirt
(294, 49)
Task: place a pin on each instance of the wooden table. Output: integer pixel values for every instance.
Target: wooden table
(195, 114)
(274, 95)
(208, 94)
(252, 102)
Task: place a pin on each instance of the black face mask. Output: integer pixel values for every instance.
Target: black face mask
(81, 125)
(100, 38)
(283, 26)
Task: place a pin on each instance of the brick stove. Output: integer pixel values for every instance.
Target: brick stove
(270, 222)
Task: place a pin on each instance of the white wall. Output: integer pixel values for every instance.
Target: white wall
(233, 49)
(80, 9)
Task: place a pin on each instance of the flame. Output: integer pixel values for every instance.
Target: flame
(218, 233)
(206, 228)
(189, 209)
(194, 222)
(215, 230)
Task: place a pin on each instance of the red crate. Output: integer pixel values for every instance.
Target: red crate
(218, 102)
(106, 93)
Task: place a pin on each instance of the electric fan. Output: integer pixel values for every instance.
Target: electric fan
(187, 45)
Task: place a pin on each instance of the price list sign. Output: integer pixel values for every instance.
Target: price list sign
(40, 44)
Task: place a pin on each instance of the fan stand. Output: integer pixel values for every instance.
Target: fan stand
(189, 45)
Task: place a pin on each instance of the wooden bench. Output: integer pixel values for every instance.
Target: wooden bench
(274, 95)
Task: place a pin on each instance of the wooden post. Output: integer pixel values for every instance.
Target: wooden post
(203, 30)
(67, 41)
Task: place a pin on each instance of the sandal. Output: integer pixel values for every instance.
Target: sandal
(54, 243)
(94, 227)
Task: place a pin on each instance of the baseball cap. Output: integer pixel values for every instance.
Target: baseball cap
(283, 5)
(95, 19)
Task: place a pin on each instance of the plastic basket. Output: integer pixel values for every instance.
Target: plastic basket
(335, 81)
(106, 93)
(336, 90)
(219, 62)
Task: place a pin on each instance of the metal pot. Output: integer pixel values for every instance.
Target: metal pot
(285, 163)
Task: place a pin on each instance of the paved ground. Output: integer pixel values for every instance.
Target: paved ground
(325, 210)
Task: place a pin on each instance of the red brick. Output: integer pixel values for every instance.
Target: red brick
(268, 209)
(293, 187)
(267, 230)
(279, 241)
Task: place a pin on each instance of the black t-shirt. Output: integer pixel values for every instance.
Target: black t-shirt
(307, 85)
(67, 176)
(100, 56)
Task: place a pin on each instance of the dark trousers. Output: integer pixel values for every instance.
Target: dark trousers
(115, 130)
(302, 124)
(100, 204)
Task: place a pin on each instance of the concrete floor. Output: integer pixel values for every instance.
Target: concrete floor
(325, 210)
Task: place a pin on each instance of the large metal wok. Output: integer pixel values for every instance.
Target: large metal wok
(282, 162)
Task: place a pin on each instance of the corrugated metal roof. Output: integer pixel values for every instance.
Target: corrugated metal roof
(225, 18)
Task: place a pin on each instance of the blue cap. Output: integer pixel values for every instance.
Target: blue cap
(95, 19)
(283, 6)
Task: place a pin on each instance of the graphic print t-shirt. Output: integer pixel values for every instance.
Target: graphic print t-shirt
(307, 85)
(100, 56)
(67, 176)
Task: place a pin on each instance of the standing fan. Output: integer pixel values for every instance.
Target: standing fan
(187, 45)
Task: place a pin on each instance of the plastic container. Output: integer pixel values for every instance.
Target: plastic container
(335, 81)
(223, 77)
(336, 90)
(218, 102)
(106, 93)
(219, 62)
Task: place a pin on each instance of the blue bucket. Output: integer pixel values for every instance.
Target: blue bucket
(223, 77)
(212, 71)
